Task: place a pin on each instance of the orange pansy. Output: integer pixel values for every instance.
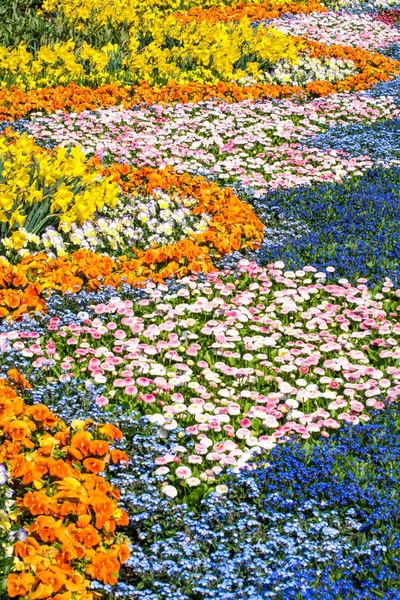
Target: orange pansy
(19, 585)
(99, 447)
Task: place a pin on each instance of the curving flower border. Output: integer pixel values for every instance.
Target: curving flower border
(373, 67)
(233, 226)
(67, 512)
(254, 12)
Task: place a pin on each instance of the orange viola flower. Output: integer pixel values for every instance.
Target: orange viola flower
(19, 585)
(54, 577)
(70, 552)
(123, 553)
(42, 592)
(11, 299)
(88, 536)
(82, 508)
(94, 465)
(59, 468)
(99, 447)
(40, 412)
(39, 503)
(18, 466)
(33, 471)
(81, 443)
(10, 408)
(8, 450)
(119, 456)
(110, 431)
(62, 436)
(103, 508)
(123, 521)
(78, 583)
(18, 430)
(67, 508)
(18, 379)
(105, 568)
(46, 528)
(28, 550)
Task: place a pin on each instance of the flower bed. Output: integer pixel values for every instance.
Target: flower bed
(200, 333)
(66, 512)
(171, 363)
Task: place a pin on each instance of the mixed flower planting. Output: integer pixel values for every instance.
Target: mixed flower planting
(199, 299)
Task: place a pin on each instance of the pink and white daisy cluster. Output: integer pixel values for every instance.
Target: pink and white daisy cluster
(240, 361)
(362, 31)
(251, 144)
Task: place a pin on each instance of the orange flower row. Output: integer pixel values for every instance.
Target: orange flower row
(69, 511)
(254, 12)
(234, 225)
(372, 67)
(15, 103)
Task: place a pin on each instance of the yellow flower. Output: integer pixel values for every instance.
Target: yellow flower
(78, 424)
(18, 239)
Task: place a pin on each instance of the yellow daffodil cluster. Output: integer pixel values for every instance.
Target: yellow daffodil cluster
(39, 187)
(161, 50)
(56, 65)
(131, 11)
(206, 52)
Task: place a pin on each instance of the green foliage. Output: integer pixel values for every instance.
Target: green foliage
(8, 532)
(21, 23)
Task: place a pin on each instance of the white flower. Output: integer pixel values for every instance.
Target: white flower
(266, 444)
(201, 418)
(178, 408)
(195, 409)
(193, 481)
(157, 419)
(221, 489)
(292, 403)
(162, 471)
(170, 491)
(3, 475)
(170, 425)
(285, 387)
(296, 414)
(206, 442)
(251, 441)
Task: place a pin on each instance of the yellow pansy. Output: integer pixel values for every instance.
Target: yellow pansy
(18, 239)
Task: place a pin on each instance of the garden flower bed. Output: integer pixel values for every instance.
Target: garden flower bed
(199, 300)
